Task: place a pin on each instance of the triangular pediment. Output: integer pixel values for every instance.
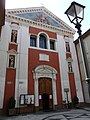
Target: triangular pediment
(40, 15)
(12, 51)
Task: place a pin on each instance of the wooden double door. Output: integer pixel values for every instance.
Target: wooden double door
(45, 93)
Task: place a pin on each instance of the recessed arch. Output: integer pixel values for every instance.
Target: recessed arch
(43, 40)
(44, 71)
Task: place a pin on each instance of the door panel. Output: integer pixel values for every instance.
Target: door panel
(45, 101)
(45, 88)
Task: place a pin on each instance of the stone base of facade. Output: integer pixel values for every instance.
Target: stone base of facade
(24, 109)
(55, 107)
(36, 109)
(3, 112)
(30, 109)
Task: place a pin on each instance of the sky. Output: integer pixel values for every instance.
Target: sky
(57, 7)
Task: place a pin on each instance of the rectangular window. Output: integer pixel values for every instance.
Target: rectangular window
(33, 41)
(52, 45)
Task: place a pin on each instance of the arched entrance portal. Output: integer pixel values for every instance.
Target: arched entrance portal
(45, 93)
(45, 86)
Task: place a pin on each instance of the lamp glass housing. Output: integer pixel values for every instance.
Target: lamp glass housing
(75, 13)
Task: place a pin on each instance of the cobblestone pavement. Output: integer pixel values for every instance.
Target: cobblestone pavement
(75, 114)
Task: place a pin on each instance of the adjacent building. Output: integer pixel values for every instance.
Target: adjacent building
(84, 65)
(38, 60)
(2, 13)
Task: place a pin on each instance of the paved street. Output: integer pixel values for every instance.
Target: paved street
(75, 114)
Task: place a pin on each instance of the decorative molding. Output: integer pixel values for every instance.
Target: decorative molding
(44, 71)
(69, 59)
(14, 25)
(12, 51)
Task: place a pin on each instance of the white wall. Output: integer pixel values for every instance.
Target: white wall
(80, 62)
(3, 59)
(76, 72)
(84, 83)
(87, 49)
(63, 65)
(22, 62)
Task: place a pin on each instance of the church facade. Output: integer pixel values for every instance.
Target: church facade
(38, 60)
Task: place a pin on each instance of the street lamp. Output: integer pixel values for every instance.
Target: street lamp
(75, 13)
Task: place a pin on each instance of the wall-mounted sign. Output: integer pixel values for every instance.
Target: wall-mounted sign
(29, 99)
(66, 89)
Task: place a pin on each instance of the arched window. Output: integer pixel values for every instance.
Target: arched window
(42, 42)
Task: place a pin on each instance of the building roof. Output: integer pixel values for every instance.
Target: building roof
(86, 34)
